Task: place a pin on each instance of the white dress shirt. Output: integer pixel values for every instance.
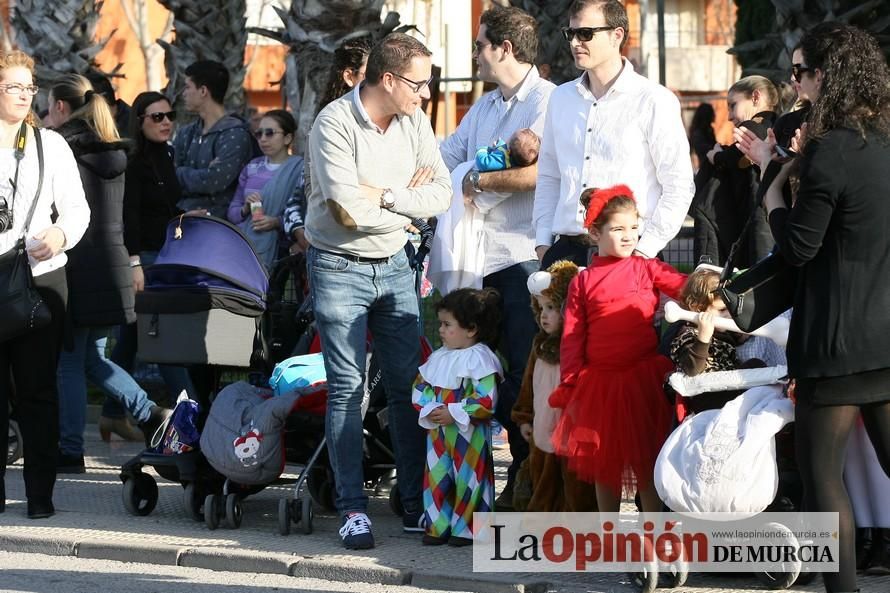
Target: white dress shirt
(509, 235)
(633, 135)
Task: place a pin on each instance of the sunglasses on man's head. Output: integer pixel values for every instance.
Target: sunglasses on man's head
(797, 71)
(267, 132)
(158, 116)
(583, 33)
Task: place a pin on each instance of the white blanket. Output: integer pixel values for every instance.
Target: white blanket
(722, 461)
(457, 254)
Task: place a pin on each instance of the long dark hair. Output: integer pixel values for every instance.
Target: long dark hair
(140, 104)
(349, 56)
(855, 91)
(702, 119)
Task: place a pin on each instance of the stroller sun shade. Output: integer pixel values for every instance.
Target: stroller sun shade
(207, 256)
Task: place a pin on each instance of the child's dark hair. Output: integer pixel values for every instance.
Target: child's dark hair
(475, 309)
(700, 289)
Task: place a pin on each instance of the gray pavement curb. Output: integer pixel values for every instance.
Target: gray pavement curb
(258, 562)
(332, 570)
(37, 544)
(451, 582)
(144, 553)
(237, 560)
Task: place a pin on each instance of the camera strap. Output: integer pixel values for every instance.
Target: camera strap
(20, 143)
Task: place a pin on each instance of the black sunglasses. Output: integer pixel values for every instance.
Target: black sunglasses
(797, 71)
(159, 116)
(267, 132)
(583, 33)
(414, 85)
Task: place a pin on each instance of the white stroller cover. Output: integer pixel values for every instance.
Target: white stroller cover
(721, 461)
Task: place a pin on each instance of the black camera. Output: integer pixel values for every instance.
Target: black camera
(5, 216)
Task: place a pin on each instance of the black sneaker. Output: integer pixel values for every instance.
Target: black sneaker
(459, 542)
(432, 540)
(356, 532)
(70, 464)
(414, 522)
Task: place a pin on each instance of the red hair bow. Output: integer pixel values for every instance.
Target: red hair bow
(600, 197)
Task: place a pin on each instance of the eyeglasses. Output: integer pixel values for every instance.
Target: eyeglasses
(267, 132)
(583, 33)
(478, 47)
(158, 116)
(797, 71)
(18, 89)
(413, 84)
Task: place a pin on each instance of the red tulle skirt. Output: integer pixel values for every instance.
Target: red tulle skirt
(614, 424)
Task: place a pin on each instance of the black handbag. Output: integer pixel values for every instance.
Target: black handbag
(765, 290)
(23, 309)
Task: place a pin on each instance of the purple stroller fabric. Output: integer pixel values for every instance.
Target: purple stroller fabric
(208, 254)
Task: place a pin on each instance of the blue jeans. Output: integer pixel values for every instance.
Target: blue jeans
(349, 299)
(518, 329)
(87, 362)
(176, 378)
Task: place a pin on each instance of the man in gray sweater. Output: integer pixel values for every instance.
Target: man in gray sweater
(374, 164)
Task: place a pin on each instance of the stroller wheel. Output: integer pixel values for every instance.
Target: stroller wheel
(212, 511)
(140, 494)
(784, 574)
(192, 501)
(234, 511)
(284, 516)
(320, 482)
(395, 501)
(805, 578)
(305, 514)
(674, 575)
(646, 580)
(14, 446)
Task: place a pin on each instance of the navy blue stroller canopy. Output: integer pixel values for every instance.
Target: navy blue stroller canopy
(211, 259)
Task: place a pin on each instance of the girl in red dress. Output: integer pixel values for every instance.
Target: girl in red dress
(615, 416)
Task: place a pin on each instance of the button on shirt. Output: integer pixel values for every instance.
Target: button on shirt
(509, 235)
(632, 135)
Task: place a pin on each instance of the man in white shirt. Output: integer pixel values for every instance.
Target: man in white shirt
(607, 127)
(506, 46)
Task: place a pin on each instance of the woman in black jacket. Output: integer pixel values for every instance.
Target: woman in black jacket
(150, 197)
(836, 233)
(99, 281)
(726, 185)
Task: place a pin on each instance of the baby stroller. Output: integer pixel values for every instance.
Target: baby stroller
(202, 304)
(304, 441)
(718, 412)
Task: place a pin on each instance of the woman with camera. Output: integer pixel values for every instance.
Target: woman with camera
(836, 234)
(37, 174)
(99, 277)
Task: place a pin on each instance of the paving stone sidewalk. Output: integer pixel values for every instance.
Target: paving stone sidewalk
(91, 522)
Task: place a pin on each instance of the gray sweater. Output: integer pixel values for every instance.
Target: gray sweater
(345, 151)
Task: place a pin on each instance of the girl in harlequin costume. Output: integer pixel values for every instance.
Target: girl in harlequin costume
(554, 487)
(615, 415)
(455, 393)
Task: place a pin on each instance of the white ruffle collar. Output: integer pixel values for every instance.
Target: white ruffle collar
(448, 368)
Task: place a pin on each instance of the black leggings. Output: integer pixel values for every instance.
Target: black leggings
(821, 435)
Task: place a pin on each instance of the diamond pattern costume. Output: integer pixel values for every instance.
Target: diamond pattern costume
(459, 475)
